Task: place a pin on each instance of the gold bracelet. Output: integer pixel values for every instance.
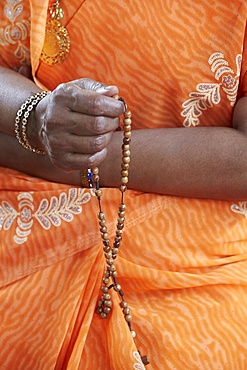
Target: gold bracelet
(21, 120)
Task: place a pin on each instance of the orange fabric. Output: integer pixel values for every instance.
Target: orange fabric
(183, 262)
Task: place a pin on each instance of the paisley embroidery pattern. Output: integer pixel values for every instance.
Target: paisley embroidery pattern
(209, 94)
(49, 213)
(16, 32)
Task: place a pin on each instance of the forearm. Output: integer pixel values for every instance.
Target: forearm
(14, 90)
(197, 162)
(14, 156)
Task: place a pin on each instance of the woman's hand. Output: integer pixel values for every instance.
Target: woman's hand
(74, 124)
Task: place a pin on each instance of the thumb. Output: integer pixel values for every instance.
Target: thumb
(99, 87)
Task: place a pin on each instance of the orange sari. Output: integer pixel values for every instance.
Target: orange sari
(183, 262)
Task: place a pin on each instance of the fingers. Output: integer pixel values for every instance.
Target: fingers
(73, 161)
(89, 125)
(78, 123)
(66, 143)
(87, 102)
(99, 87)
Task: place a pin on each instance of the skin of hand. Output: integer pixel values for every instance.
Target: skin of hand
(74, 124)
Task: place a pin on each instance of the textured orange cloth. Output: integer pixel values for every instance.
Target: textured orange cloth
(183, 262)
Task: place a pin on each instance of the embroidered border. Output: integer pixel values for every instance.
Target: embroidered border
(49, 213)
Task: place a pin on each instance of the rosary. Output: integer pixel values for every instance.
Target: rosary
(91, 178)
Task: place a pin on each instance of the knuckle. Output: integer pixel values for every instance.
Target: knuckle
(98, 143)
(97, 104)
(99, 125)
(59, 90)
(62, 90)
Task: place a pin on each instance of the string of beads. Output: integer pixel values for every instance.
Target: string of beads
(104, 306)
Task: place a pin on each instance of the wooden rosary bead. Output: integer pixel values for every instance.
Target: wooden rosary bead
(110, 261)
(108, 255)
(106, 280)
(128, 318)
(103, 229)
(127, 114)
(107, 297)
(95, 171)
(133, 333)
(126, 153)
(117, 287)
(111, 268)
(108, 303)
(99, 310)
(102, 222)
(101, 215)
(126, 311)
(125, 147)
(124, 304)
(123, 188)
(126, 159)
(106, 248)
(124, 173)
(105, 236)
(107, 310)
(124, 180)
(125, 166)
(126, 140)
(106, 273)
(120, 226)
(127, 134)
(127, 121)
(98, 193)
(127, 128)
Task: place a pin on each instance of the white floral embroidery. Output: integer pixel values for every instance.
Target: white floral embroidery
(138, 365)
(16, 32)
(208, 94)
(240, 208)
(49, 212)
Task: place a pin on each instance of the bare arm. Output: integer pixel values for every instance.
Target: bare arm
(201, 162)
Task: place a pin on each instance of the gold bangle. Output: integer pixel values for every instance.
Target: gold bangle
(21, 120)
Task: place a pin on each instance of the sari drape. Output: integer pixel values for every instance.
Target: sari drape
(183, 262)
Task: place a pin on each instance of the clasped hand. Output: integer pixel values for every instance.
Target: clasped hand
(76, 122)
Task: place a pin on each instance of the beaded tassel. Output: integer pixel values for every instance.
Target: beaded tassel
(110, 253)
